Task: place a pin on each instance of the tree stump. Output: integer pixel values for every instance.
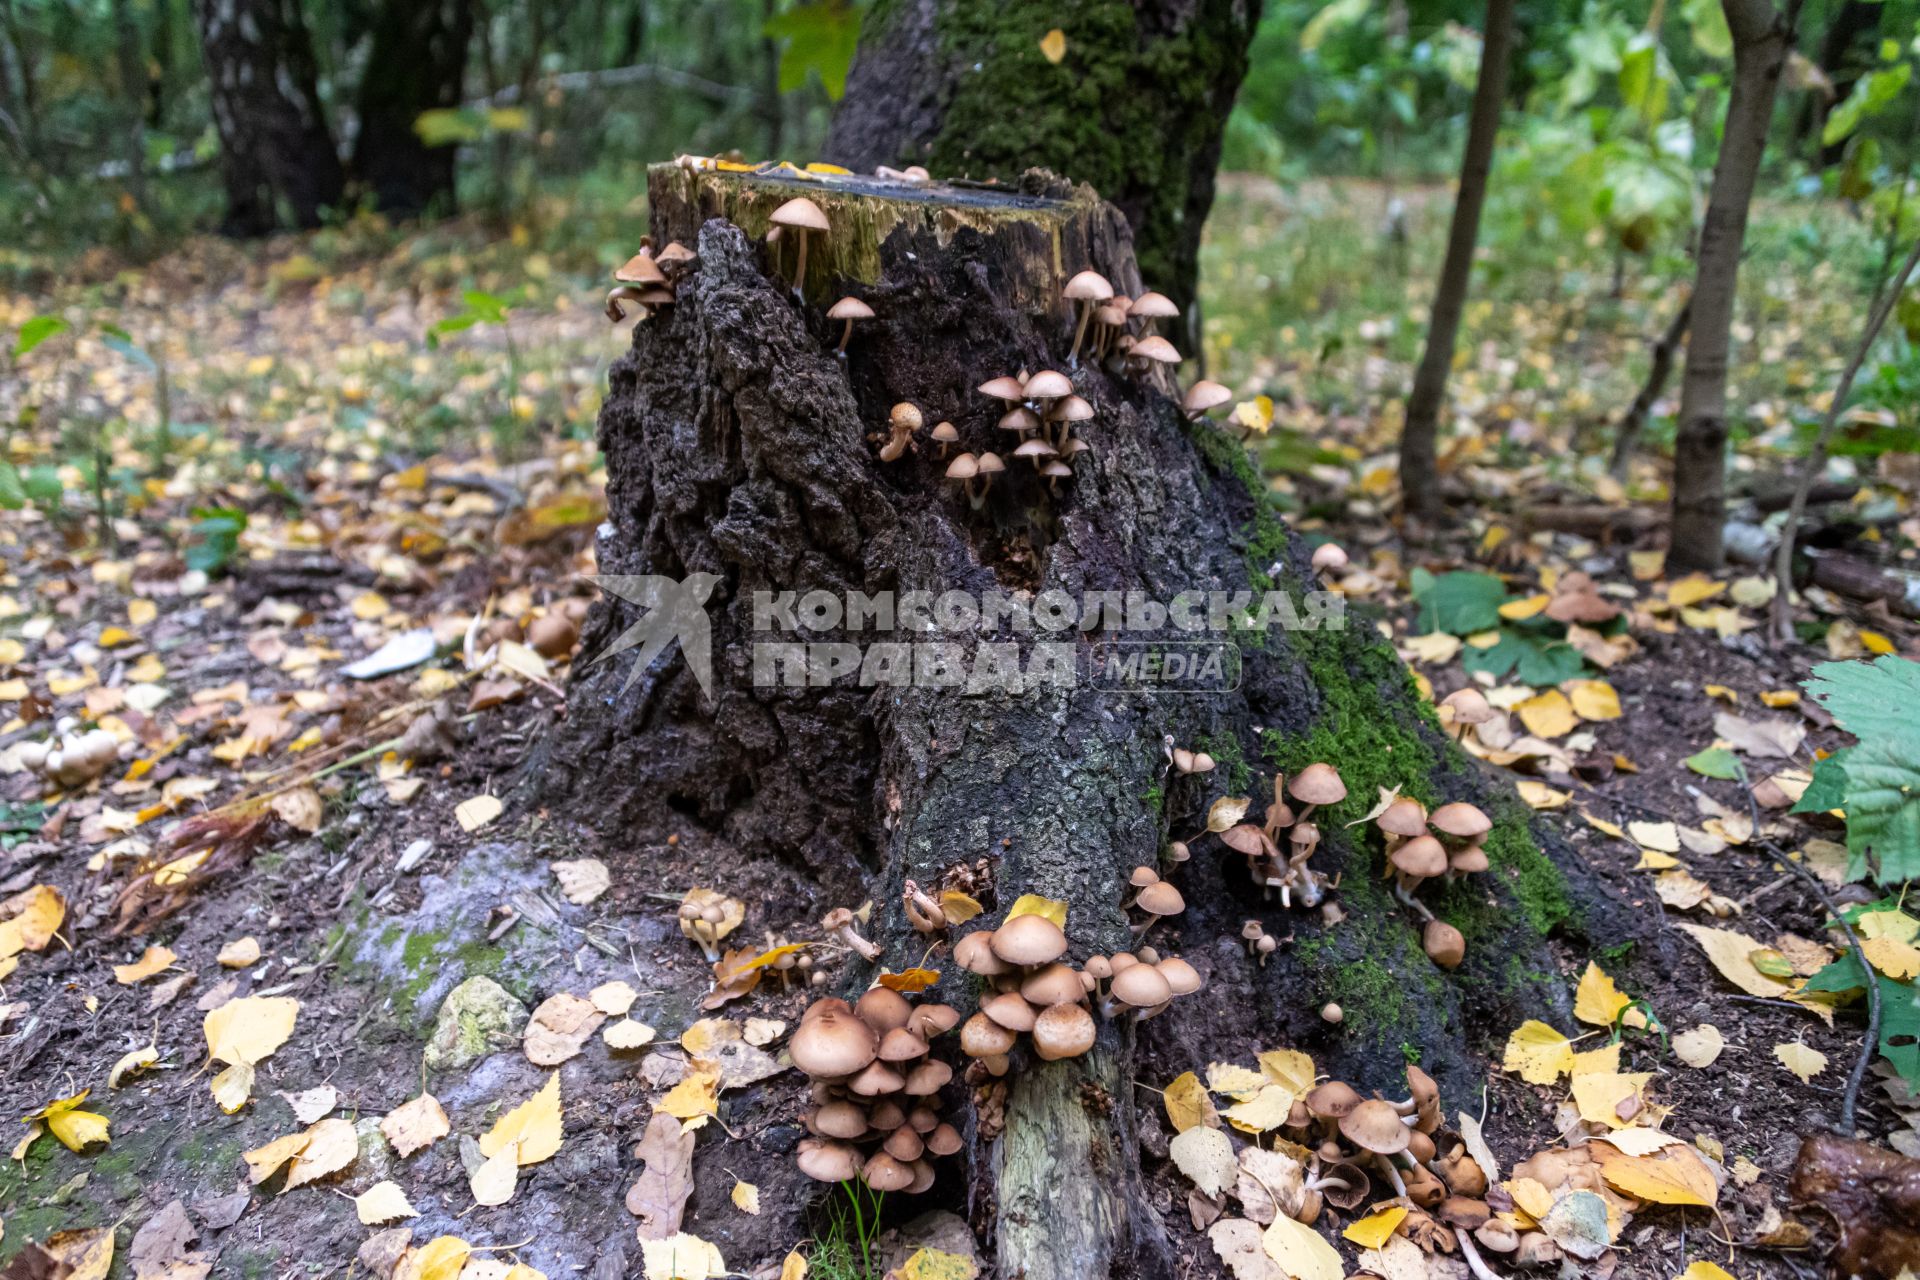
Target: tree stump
(739, 445)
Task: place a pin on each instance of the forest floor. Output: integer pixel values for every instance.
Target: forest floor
(328, 486)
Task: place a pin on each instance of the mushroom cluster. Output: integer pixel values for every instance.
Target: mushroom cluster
(643, 280)
(1113, 315)
(74, 758)
(1040, 410)
(875, 1090)
(1033, 992)
(1287, 870)
(1443, 845)
(1154, 899)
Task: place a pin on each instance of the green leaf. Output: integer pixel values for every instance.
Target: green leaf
(13, 494)
(1335, 17)
(819, 38)
(1871, 95)
(1883, 807)
(216, 538)
(36, 331)
(1715, 762)
(1536, 659)
(1868, 699)
(1460, 603)
(1707, 23)
(1828, 790)
(1899, 1011)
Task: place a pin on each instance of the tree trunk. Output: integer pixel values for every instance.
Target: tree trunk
(133, 83)
(1762, 39)
(417, 63)
(275, 148)
(738, 446)
(1633, 423)
(1419, 438)
(1136, 107)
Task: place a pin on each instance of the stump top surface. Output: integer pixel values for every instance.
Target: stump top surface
(786, 182)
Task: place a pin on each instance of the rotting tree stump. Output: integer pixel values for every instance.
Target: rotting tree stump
(738, 445)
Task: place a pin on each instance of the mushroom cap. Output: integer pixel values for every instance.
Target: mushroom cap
(930, 1020)
(1035, 448)
(944, 1140)
(1443, 944)
(825, 1003)
(1498, 1235)
(1469, 705)
(884, 1173)
(1461, 819)
(1055, 984)
(1010, 1010)
(1332, 1099)
(1108, 313)
(1055, 468)
(640, 269)
(1317, 784)
(1329, 555)
(923, 1177)
(1181, 976)
(1252, 930)
(1029, 940)
(1002, 388)
(901, 1045)
(963, 467)
(906, 417)
(832, 1043)
(1404, 817)
(1421, 856)
(1154, 306)
(1048, 385)
(1063, 1031)
(1122, 960)
(982, 1037)
(1141, 986)
(827, 1161)
(904, 1144)
(1143, 876)
(1088, 286)
(927, 1079)
(849, 309)
(1156, 349)
(945, 432)
(801, 213)
(1070, 409)
(1375, 1126)
(676, 252)
(990, 463)
(1019, 418)
(883, 1009)
(1161, 899)
(1204, 395)
(1097, 967)
(875, 1079)
(1468, 860)
(1248, 839)
(975, 954)
(887, 1115)
(841, 1120)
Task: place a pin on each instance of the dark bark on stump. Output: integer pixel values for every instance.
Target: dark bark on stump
(738, 446)
(417, 64)
(274, 144)
(1136, 108)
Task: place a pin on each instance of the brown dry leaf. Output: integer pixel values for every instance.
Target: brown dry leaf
(151, 961)
(659, 1198)
(560, 1028)
(159, 1250)
(302, 809)
(1680, 889)
(416, 1125)
(581, 879)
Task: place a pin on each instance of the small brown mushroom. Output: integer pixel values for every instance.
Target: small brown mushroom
(903, 421)
(1443, 944)
(827, 1161)
(839, 924)
(944, 433)
(1150, 307)
(849, 310)
(1465, 707)
(804, 218)
(1317, 784)
(1029, 940)
(1087, 289)
(1063, 1031)
(1202, 397)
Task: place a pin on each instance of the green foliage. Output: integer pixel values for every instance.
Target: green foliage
(1872, 94)
(451, 126)
(1899, 1001)
(215, 538)
(1715, 762)
(1458, 603)
(1463, 603)
(843, 1243)
(1876, 781)
(36, 331)
(819, 39)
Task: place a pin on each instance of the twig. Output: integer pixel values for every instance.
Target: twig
(1782, 628)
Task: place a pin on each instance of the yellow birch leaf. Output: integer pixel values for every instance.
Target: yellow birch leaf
(250, 1028)
(958, 907)
(1704, 1271)
(746, 1198)
(476, 812)
(1187, 1103)
(233, 1088)
(1672, 1175)
(1732, 954)
(1053, 46)
(1595, 700)
(383, 1202)
(440, 1258)
(1518, 611)
(1265, 1111)
(331, 1146)
(1896, 959)
(151, 961)
(1602, 1061)
(1597, 1002)
(88, 1254)
(1238, 1081)
(693, 1099)
(1301, 1252)
(264, 1162)
(1538, 1053)
(494, 1181)
(1599, 1096)
(1693, 589)
(1372, 1231)
(1803, 1061)
(534, 1125)
(1032, 904)
(75, 1128)
(1547, 715)
(681, 1257)
(1291, 1068)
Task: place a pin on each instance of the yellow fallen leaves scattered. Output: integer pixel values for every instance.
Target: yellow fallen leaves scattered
(76, 1129)
(241, 1033)
(1301, 1252)
(1597, 1001)
(1803, 1061)
(1538, 1053)
(1674, 1174)
(534, 1125)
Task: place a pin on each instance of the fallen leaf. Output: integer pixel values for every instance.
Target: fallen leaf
(494, 1181)
(88, 1253)
(746, 1198)
(560, 1028)
(1372, 1231)
(1594, 700)
(1547, 715)
(477, 811)
(331, 1146)
(1053, 46)
(1662, 837)
(1731, 953)
(1206, 1157)
(131, 1064)
(1613, 1098)
(1803, 1061)
(1540, 1054)
(1302, 1252)
(265, 1161)
(1700, 1046)
(534, 1125)
(241, 953)
(151, 961)
(659, 1197)
(613, 998)
(310, 1106)
(383, 1202)
(1672, 1175)
(1032, 904)
(302, 809)
(415, 1125)
(1597, 1001)
(581, 879)
(76, 1129)
(626, 1035)
(681, 1257)
(1187, 1102)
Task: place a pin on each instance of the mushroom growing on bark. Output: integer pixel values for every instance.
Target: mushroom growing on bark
(849, 310)
(1315, 785)
(839, 924)
(1464, 708)
(1202, 397)
(803, 217)
(1087, 289)
(873, 1085)
(1148, 308)
(902, 422)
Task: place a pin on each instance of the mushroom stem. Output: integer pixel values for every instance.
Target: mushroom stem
(979, 500)
(1418, 907)
(846, 335)
(1475, 1263)
(1393, 1175)
(1080, 332)
(800, 270)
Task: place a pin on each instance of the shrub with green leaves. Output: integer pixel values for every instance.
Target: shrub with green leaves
(1534, 650)
(1876, 782)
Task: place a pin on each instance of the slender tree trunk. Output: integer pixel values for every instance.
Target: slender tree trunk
(417, 63)
(275, 147)
(1136, 107)
(738, 445)
(133, 85)
(19, 66)
(1633, 423)
(1419, 439)
(1762, 39)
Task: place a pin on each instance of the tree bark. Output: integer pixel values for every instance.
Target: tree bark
(1633, 423)
(275, 147)
(133, 83)
(739, 446)
(1136, 107)
(1762, 39)
(417, 63)
(1419, 438)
